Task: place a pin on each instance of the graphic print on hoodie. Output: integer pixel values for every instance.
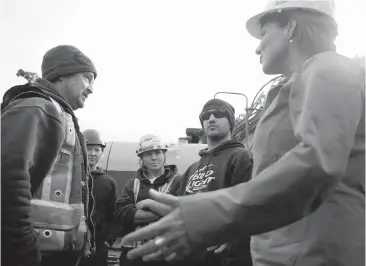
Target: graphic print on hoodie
(227, 165)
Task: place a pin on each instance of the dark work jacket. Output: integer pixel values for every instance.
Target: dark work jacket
(105, 196)
(125, 207)
(31, 137)
(305, 204)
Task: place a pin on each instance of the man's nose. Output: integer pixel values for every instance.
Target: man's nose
(211, 118)
(90, 89)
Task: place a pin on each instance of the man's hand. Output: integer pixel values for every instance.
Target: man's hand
(143, 217)
(156, 207)
(86, 253)
(217, 249)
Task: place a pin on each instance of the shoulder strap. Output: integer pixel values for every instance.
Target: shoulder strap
(136, 188)
(166, 188)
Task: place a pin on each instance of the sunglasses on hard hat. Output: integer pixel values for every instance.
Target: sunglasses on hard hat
(217, 113)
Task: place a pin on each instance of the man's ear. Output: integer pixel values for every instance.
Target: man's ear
(291, 27)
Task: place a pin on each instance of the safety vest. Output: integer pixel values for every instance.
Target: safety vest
(61, 224)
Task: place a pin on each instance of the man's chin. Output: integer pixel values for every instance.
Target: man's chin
(215, 136)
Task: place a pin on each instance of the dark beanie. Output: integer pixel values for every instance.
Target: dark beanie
(220, 104)
(65, 60)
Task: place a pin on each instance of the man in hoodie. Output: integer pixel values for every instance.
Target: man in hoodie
(105, 196)
(44, 173)
(223, 164)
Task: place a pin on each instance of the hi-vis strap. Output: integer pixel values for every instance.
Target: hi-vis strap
(167, 186)
(136, 189)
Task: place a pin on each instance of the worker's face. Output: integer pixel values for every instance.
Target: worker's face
(95, 154)
(273, 48)
(76, 88)
(215, 124)
(153, 160)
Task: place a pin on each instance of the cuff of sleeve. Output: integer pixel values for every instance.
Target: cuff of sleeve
(129, 220)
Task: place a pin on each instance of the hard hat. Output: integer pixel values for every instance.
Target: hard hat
(150, 143)
(93, 138)
(325, 7)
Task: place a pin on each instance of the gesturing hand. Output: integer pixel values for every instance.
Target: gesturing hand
(168, 236)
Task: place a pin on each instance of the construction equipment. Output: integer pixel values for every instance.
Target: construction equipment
(246, 123)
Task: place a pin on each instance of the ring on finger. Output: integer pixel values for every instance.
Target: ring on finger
(159, 241)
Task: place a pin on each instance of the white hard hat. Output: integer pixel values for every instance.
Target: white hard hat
(322, 6)
(150, 143)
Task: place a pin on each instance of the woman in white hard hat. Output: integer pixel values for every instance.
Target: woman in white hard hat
(153, 174)
(305, 204)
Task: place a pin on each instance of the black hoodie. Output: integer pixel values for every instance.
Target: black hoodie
(125, 207)
(105, 196)
(227, 165)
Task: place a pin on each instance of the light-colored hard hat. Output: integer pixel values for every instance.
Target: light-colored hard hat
(150, 143)
(325, 7)
(93, 137)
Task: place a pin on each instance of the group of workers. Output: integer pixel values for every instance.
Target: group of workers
(299, 201)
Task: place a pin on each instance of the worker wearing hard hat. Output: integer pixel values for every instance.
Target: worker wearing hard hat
(105, 195)
(305, 204)
(153, 174)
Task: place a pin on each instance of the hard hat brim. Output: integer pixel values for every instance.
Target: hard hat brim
(253, 24)
(99, 144)
(160, 149)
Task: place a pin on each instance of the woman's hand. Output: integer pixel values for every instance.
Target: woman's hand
(169, 239)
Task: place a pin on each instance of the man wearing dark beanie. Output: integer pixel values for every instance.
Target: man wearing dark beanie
(44, 177)
(224, 163)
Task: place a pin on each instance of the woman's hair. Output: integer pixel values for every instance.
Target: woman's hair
(314, 32)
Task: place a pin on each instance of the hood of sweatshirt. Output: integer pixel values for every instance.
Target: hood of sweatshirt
(169, 171)
(222, 147)
(98, 172)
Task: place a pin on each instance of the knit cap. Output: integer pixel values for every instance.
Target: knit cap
(65, 60)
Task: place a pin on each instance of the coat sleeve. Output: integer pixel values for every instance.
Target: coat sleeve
(176, 185)
(30, 139)
(113, 227)
(326, 107)
(125, 206)
(183, 181)
(241, 168)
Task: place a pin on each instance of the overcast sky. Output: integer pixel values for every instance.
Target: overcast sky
(158, 61)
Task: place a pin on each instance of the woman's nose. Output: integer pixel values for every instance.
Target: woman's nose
(258, 50)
